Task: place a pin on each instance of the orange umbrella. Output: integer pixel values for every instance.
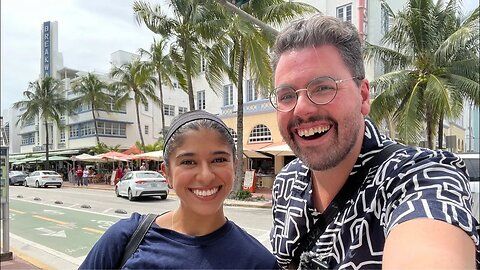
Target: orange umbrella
(134, 150)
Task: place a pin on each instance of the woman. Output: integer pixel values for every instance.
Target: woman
(196, 234)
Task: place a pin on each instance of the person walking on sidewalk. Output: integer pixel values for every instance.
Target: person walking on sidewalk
(332, 208)
(196, 235)
(85, 176)
(79, 175)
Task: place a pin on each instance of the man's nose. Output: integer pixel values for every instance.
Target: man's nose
(304, 105)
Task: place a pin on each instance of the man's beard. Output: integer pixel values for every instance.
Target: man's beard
(321, 158)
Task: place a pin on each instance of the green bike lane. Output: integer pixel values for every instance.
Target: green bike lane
(68, 231)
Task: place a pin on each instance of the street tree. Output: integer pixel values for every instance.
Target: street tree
(94, 92)
(163, 66)
(193, 24)
(136, 79)
(45, 99)
(249, 52)
(432, 67)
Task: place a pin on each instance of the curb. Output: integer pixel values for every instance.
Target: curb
(30, 260)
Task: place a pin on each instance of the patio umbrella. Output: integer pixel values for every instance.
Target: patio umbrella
(112, 155)
(87, 158)
(154, 155)
(278, 150)
(134, 150)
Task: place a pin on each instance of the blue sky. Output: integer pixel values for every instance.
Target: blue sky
(89, 31)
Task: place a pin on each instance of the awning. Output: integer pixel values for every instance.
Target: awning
(249, 150)
(154, 155)
(281, 149)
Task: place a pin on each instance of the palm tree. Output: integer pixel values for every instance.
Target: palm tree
(136, 78)
(430, 69)
(44, 98)
(163, 66)
(91, 91)
(250, 49)
(195, 22)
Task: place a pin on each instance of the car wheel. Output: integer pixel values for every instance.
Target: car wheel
(25, 183)
(163, 197)
(59, 186)
(130, 195)
(116, 192)
(37, 185)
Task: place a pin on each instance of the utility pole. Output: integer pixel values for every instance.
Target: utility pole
(5, 254)
(267, 28)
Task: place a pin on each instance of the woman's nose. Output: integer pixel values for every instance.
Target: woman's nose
(205, 172)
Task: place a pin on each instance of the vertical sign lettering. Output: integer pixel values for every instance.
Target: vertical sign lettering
(46, 49)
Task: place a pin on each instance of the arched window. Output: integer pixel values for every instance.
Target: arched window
(260, 133)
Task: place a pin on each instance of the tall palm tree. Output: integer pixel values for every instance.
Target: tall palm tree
(430, 69)
(249, 49)
(137, 79)
(44, 98)
(92, 91)
(195, 22)
(161, 62)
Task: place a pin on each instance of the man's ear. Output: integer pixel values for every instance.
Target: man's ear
(365, 94)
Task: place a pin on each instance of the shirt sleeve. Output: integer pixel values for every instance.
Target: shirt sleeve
(433, 186)
(107, 253)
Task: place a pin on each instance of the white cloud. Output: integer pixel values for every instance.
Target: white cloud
(88, 32)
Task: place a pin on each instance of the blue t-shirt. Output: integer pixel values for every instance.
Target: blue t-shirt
(229, 247)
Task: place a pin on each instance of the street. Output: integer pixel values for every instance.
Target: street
(67, 222)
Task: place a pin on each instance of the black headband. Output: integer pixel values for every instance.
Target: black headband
(190, 116)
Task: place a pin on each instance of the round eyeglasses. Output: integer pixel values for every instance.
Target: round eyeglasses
(320, 91)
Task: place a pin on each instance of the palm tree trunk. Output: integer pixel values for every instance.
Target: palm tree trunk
(239, 175)
(139, 125)
(188, 71)
(160, 96)
(47, 161)
(95, 124)
(430, 130)
(440, 132)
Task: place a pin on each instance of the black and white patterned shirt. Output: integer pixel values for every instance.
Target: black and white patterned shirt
(412, 183)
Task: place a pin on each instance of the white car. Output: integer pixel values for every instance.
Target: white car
(472, 162)
(44, 179)
(136, 184)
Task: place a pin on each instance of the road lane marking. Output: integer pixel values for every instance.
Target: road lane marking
(31, 260)
(93, 230)
(16, 211)
(51, 220)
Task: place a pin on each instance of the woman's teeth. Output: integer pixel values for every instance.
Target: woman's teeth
(312, 131)
(205, 193)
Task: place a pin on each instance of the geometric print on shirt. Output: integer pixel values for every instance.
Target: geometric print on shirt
(411, 183)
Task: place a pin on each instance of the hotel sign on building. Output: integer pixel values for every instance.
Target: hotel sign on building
(46, 52)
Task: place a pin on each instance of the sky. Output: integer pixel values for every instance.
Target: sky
(88, 32)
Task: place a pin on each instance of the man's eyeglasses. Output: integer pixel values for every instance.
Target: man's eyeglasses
(321, 91)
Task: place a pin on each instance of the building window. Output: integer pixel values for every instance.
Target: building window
(113, 129)
(203, 64)
(234, 134)
(260, 133)
(344, 13)
(201, 100)
(146, 106)
(251, 93)
(182, 110)
(386, 20)
(28, 138)
(169, 110)
(228, 94)
(111, 106)
(73, 131)
(146, 130)
(62, 135)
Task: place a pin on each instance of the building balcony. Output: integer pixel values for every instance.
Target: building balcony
(250, 107)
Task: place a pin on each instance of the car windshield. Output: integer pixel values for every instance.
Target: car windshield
(148, 175)
(49, 173)
(16, 173)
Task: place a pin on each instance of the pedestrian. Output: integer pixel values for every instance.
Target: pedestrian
(143, 167)
(118, 174)
(126, 170)
(79, 175)
(331, 208)
(196, 235)
(85, 176)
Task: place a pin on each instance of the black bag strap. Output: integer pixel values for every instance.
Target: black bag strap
(137, 237)
(308, 241)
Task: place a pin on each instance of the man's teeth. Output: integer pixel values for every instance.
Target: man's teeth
(205, 193)
(312, 131)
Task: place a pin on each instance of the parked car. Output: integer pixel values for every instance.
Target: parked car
(472, 162)
(44, 179)
(136, 184)
(16, 177)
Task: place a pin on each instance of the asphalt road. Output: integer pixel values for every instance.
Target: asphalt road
(67, 222)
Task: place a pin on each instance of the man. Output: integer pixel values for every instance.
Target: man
(413, 211)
